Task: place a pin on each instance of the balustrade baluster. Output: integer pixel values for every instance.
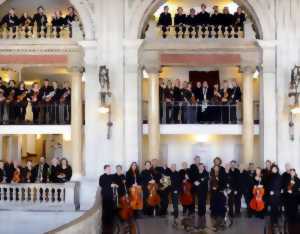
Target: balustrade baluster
(13, 194)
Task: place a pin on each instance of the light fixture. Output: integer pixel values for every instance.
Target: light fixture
(294, 94)
(105, 97)
(67, 137)
(232, 7)
(38, 136)
(201, 138)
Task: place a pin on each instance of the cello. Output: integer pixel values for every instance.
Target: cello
(257, 203)
(186, 197)
(125, 211)
(136, 196)
(153, 198)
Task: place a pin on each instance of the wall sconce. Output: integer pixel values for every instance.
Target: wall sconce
(105, 97)
(294, 94)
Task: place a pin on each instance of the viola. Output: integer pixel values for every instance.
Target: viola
(186, 197)
(136, 197)
(125, 211)
(257, 202)
(153, 198)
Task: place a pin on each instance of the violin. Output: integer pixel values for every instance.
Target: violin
(257, 202)
(290, 186)
(153, 198)
(186, 197)
(136, 197)
(125, 211)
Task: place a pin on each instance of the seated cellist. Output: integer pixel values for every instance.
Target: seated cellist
(133, 182)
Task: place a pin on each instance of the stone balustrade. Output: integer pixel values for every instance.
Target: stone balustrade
(88, 223)
(40, 196)
(74, 31)
(202, 32)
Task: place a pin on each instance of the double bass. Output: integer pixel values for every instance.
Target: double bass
(257, 203)
(153, 198)
(125, 211)
(186, 197)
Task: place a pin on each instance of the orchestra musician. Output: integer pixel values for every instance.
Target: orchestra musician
(10, 101)
(41, 171)
(178, 98)
(2, 105)
(28, 173)
(236, 98)
(239, 18)
(54, 170)
(161, 99)
(205, 96)
(218, 199)
(216, 102)
(168, 98)
(233, 183)
(192, 22)
(21, 102)
(65, 104)
(215, 20)
(11, 21)
(275, 190)
(46, 93)
(133, 182)
(185, 175)
(34, 97)
(175, 190)
(106, 183)
(2, 172)
(41, 21)
(70, 18)
(193, 174)
(227, 20)
(291, 191)
(258, 193)
(54, 103)
(120, 180)
(226, 100)
(266, 173)
(165, 21)
(200, 185)
(203, 16)
(148, 177)
(197, 93)
(180, 22)
(26, 22)
(246, 181)
(65, 171)
(57, 23)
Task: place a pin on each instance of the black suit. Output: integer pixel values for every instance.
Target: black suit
(165, 20)
(11, 21)
(41, 173)
(41, 21)
(179, 23)
(203, 114)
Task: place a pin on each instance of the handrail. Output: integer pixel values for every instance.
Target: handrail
(88, 223)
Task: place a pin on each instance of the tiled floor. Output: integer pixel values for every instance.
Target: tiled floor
(17, 222)
(164, 226)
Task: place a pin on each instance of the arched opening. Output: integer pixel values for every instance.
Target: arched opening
(152, 13)
(82, 12)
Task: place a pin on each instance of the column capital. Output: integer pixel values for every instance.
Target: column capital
(247, 69)
(150, 61)
(77, 69)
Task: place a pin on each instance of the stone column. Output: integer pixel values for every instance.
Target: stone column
(76, 122)
(1, 148)
(14, 151)
(153, 115)
(248, 120)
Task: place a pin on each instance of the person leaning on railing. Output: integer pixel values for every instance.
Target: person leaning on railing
(192, 22)
(165, 21)
(26, 22)
(70, 18)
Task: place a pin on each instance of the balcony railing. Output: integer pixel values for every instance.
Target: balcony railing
(37, 196)
(201, 32)
(186, 113)
(15, 113)
(74, 31)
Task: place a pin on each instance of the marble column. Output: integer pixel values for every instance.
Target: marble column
(153, 116)
(14, 150)
(76, 122)
(248, 120)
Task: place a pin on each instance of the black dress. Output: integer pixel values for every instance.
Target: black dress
(274, 189)
(65, 174)
(291, 191)
(54, 172)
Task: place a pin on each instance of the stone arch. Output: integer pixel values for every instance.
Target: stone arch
(261, 13)
(85, 12)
